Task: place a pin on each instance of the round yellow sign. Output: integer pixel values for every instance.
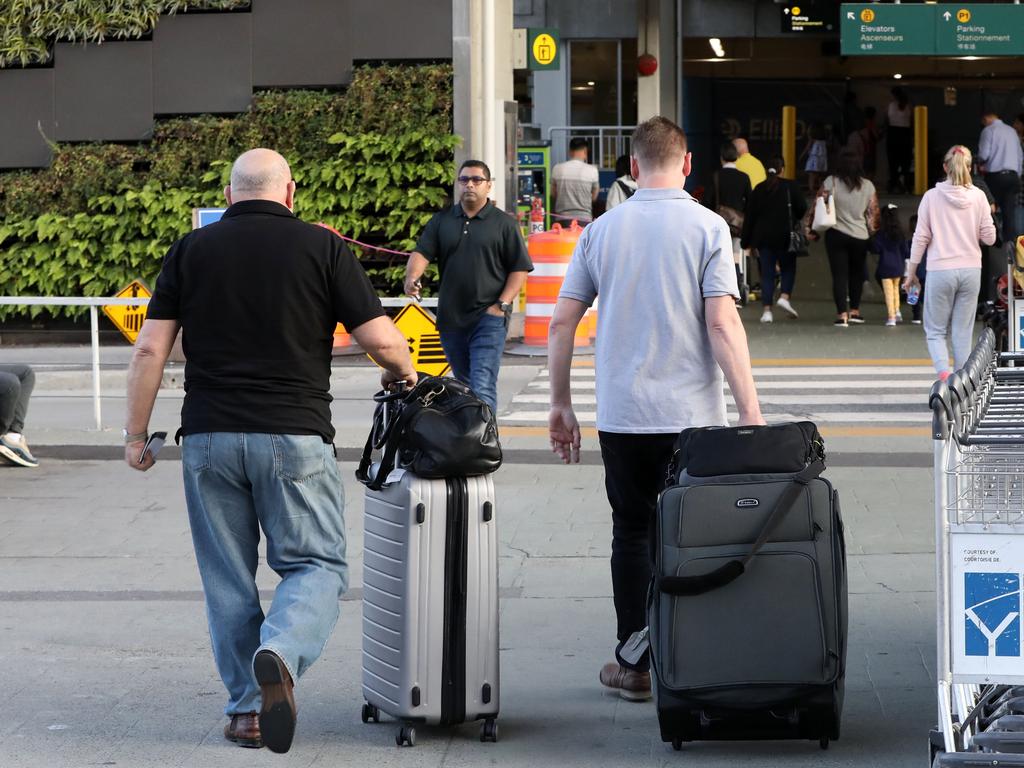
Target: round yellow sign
(545, 49)
(963, 15)
(867, 15)
(796, 10)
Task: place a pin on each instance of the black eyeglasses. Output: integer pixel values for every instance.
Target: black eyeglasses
(472, 180)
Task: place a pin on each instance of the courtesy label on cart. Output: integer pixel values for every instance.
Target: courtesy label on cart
(986, 573)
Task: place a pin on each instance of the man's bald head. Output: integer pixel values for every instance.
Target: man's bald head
(741, 146)
(261, 174)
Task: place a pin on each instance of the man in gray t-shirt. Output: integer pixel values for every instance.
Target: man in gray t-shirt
(574, 185)
(667, 330)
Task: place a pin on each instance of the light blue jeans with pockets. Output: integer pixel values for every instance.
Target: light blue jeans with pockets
(288, 485)
(950, 305)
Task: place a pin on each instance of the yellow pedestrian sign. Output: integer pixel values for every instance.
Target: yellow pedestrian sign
(128, 319)
(420, 330)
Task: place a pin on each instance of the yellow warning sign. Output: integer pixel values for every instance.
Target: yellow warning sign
(128, 319)
(544, 49)
(867, 15)
(963, 15)
(420, 331)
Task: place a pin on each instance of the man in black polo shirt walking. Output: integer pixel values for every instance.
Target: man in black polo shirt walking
(258, 295)
(483, 263)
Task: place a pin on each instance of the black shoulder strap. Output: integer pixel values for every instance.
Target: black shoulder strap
(724, 574)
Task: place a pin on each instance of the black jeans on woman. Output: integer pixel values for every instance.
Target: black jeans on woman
(900, 152)
(846, 257)
(634, 473)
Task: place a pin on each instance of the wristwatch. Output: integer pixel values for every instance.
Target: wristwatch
(136, 438)
(505, 307)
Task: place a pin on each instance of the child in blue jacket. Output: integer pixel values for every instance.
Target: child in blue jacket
(890, 243)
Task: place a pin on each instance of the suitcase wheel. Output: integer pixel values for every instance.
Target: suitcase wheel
(489, 730)
(677, 744)
(823, 741)
(370, 712)
(405, 736)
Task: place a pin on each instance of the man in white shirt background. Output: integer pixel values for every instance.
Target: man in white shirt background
(574, 186)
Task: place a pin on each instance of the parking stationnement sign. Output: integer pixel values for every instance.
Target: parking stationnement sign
(420, 330)
(128, 319)
(543, 49)
(949, 29)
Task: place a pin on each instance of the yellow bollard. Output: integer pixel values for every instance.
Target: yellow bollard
(920, 150)
(789, 142)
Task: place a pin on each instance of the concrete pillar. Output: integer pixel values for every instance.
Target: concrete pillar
(482, 59)
(658, 94)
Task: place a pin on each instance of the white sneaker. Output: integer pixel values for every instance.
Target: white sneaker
(891, 322)
(899, 317)
(787, 307)
(766, 316)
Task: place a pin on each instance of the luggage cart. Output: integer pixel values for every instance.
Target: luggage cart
(1015, 303)
(978, 433)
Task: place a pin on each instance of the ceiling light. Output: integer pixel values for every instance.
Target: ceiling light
(716, 46)
(897, 76)
(591, 83)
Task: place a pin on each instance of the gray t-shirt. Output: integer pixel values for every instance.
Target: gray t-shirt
(576, 183)
(851, 206)
(653, 260)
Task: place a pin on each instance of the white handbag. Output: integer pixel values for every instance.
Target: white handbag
(824, 213)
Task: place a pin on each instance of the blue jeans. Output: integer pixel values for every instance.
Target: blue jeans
(475, 356)
(288, 485)
(787, 267)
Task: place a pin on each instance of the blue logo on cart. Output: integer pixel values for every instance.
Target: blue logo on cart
(1020, 329)
(992, 614)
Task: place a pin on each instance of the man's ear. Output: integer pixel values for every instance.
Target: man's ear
(290, 196)
(687, 164)
(634, 167)
(227, 194)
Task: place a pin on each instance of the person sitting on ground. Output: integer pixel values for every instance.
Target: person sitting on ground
(749, 164)
(624, 185)
(16, 383)
(772, 210)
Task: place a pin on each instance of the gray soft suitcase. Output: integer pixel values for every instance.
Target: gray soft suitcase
(748, 607)
(430, 604)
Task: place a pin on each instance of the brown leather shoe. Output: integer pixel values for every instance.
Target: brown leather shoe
(244, 730)
(277, 712)
(631, 684)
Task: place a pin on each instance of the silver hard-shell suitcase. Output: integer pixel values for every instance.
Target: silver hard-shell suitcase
(430, 604)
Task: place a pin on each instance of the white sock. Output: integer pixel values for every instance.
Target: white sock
(15, 436)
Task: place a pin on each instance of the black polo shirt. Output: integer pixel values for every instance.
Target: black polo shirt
(474, 256)
(258, 295)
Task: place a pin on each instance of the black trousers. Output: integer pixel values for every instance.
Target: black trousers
(1005, 187)
(846, 258)
(634, 472)
(16, 383)
(899, 152)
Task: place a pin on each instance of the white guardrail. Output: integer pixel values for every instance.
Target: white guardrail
(95, 302)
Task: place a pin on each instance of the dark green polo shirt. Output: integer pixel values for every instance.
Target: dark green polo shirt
(474, 257)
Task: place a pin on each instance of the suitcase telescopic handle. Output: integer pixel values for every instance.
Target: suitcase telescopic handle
(684, 586)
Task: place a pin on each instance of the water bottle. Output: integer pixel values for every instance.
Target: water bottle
(913, 294)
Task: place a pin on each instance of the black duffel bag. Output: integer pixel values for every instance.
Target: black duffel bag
(753, 450)
(437, 429)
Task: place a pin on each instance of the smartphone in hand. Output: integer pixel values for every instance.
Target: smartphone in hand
(153, 445)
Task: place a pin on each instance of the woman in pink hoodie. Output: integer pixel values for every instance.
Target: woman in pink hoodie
(952, 218)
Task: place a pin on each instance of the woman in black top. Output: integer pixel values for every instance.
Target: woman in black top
(766, 227)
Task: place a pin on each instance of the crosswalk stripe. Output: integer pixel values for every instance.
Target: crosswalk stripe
(921, 385)
(773, 399)
(896, 417)
(837, 370)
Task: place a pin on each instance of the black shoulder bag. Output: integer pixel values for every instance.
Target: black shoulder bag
(439, 428)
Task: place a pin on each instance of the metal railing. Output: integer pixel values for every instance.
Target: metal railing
(94, 303)
(607, 142)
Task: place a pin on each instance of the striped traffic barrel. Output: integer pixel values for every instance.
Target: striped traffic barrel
(342, 338)
(550, 253)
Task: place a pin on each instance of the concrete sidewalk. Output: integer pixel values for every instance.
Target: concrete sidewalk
(105, 656)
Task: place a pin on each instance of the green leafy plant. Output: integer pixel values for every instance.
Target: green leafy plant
(104, 214)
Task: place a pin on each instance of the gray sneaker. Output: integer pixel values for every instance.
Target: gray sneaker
(16, 451)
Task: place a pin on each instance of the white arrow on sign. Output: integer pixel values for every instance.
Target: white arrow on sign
(849, 15)
(786, 11)
(947, 15)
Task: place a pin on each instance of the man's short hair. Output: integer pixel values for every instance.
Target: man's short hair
(728, 153)
(658, 142)
(476, 164)
(575, 145)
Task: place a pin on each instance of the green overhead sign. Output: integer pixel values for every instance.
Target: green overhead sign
(970, 29)
(543, 49)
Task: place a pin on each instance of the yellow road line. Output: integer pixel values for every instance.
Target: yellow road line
(827, 431)
(822, 362)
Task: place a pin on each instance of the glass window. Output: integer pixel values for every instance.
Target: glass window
(594, 84)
